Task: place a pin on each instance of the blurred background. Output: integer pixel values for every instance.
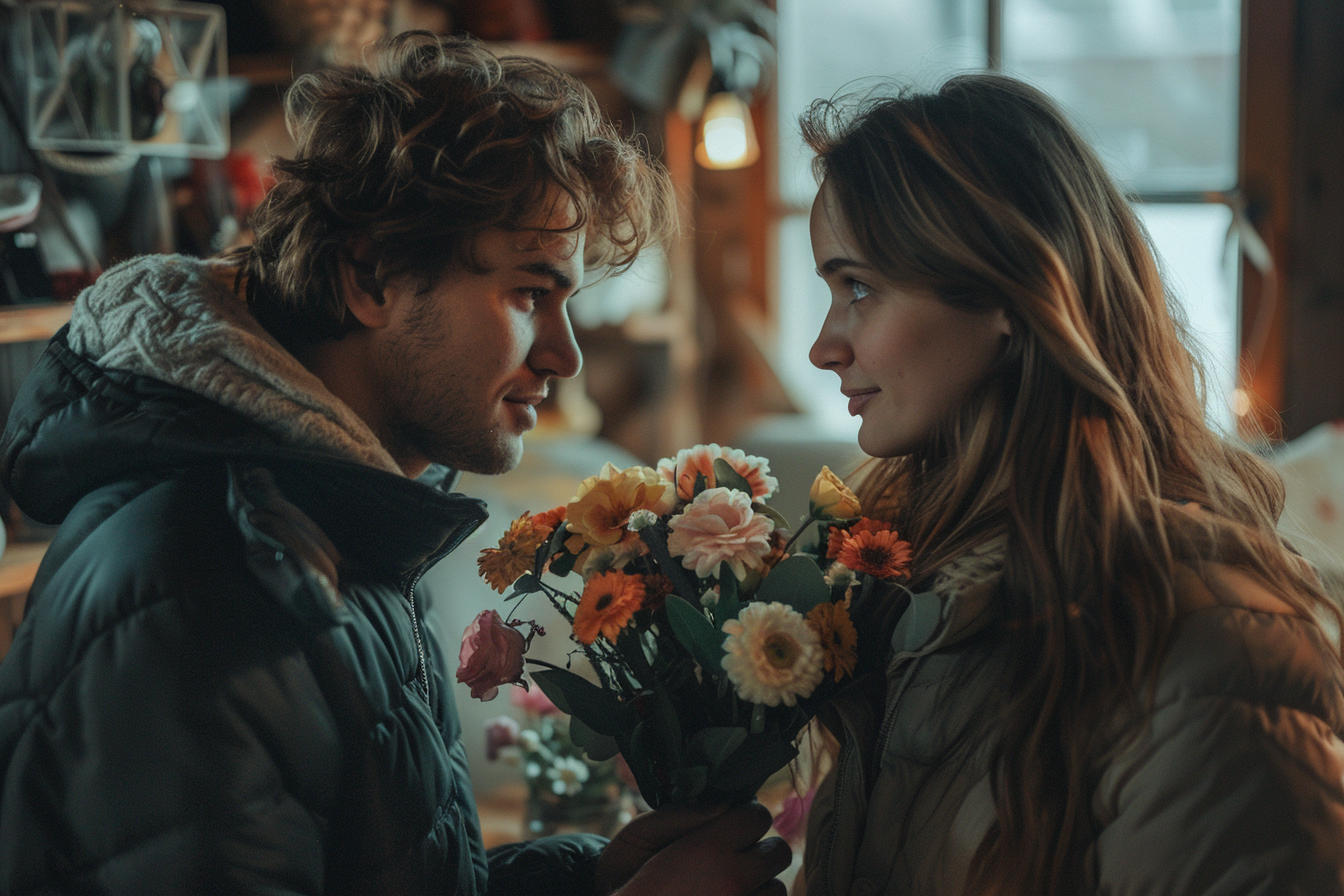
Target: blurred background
(150, 126)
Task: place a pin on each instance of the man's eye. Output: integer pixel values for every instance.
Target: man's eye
(858, 289)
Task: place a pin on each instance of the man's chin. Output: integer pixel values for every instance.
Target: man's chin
(493, 460)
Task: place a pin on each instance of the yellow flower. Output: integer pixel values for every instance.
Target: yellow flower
(516, 554)
(606, 605)
(831, 498)
(839, 638)
(598, 514)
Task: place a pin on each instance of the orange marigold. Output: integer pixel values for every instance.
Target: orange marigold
(835, 539)
(883, 554)
(606, 605)
(549, 519)
(516, 554)
(839, 638)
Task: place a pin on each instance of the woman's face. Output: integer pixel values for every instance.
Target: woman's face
(905, 358)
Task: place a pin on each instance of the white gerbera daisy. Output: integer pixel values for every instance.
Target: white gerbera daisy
(567, 775)
(773, 655)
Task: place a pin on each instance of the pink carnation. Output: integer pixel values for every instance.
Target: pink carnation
(699, 461)
(720, 526)
(491, 655)
(533, 701)
(791, 819)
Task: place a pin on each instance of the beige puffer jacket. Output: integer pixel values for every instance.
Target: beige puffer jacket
(1237, 786)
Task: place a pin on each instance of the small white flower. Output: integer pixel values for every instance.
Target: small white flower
(710, 598)
(529, 740)
(532, 769)
(567, 775)
(839, 574)
(641, 519)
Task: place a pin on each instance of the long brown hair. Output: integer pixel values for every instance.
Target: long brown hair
(1081, 446)
(435, 141)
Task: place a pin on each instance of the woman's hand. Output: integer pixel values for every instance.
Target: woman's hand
(680, 850)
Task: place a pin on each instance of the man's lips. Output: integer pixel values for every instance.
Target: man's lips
(858, 398)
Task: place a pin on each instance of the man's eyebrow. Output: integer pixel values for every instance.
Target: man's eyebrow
(546, 269)
(830, 266)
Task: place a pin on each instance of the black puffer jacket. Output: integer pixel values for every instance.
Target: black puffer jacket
(221, 683)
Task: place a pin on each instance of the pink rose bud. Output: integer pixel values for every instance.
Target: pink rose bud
(500, 732)
(491, 655)
(533, 701)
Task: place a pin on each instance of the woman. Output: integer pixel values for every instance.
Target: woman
(1112, 676)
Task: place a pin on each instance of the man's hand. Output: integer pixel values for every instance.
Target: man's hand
(680, 850)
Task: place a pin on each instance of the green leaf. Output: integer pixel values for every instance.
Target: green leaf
(777, 517)
(526, 584)
(597, 747)
(655, 748)
(554, 545)
(563, 563)
(596, 707)
(726, 477)
(797, 582)
(751, 765)
(713, 746)
(697, 634)
(729, 604)
(655, 538)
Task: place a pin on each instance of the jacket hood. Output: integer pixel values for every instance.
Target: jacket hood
(176, 319)
(163, 367)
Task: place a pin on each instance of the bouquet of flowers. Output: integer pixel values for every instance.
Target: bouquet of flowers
(712, 636)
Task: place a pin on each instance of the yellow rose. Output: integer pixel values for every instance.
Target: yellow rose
(598, 514)
(831, 498)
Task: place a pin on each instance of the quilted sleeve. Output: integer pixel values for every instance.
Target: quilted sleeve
(1237, 786)
(147, 762)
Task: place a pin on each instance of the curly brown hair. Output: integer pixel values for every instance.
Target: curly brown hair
(436, 141)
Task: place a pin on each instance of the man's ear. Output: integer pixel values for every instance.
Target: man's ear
(359, 286)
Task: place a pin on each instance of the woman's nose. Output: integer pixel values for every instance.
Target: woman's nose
(831, 349)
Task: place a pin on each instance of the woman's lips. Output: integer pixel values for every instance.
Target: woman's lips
(856, 402)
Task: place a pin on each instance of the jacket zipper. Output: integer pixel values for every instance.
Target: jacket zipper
(846, 761)
(423, 667)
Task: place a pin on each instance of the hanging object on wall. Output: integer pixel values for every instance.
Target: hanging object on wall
(708, 58)
(124, 77)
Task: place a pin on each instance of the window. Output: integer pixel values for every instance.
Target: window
(1153, 84)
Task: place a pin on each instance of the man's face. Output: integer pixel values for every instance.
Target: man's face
(464, 365)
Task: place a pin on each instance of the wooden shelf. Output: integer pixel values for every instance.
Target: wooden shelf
(30, 323)
(18, 565)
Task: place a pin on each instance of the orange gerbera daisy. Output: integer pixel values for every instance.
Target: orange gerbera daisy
(839, 638)
(516, 554)
(608, 601)
(883, 554)
(836, 537)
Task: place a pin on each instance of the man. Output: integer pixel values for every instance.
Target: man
(222, 682)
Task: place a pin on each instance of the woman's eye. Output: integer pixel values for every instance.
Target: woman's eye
(858, 290)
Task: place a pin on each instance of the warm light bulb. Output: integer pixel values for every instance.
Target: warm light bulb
(727, 138)
(1241, 402)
